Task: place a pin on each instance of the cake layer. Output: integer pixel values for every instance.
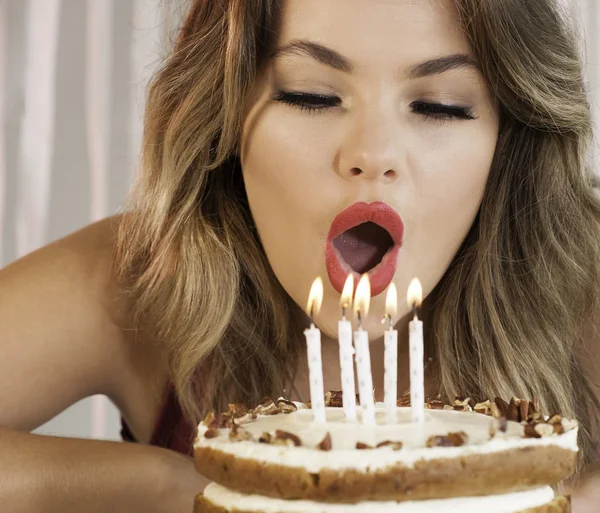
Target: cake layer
(217, 499)
(507, 463)
(501, 472)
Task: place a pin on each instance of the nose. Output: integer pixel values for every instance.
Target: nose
(371, 148)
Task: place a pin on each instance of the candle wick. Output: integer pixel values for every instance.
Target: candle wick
(344, 306)
(359, 319)
(415, 317)
(390, 321)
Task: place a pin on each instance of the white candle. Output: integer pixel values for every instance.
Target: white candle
(347, 353)
(363, 355)
(415, 330)
(391, 356)
(313, 350)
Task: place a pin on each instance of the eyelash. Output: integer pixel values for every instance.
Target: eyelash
(313, 103)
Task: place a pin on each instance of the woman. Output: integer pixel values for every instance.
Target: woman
(452, 132)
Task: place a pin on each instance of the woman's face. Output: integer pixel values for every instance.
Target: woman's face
(366, 147)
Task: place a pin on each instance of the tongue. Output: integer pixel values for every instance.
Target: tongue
(364, 246)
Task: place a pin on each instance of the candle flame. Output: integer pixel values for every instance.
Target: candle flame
(347, 293)
(315, 298)
(362, 299)
(391, 302)
(414, 296)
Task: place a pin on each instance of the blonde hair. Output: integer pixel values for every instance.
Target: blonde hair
(507, 315)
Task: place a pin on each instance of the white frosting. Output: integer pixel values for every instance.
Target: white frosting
(345, 435)
(506, 503)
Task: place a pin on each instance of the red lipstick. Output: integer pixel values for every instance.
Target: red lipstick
(346, 252)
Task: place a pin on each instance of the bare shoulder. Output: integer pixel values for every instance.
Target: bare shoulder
(65, 334)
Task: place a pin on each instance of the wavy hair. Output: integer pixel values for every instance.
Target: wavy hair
(506, 318)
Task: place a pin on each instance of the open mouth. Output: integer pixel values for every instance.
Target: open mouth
(363, 247)
(364, 238)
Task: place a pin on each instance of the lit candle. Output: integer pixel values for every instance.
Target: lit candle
(415, 330)
(313, 346)
(363, 355)
(347, 352)
(391, 355)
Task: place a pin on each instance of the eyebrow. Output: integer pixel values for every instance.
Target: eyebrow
(331, 58)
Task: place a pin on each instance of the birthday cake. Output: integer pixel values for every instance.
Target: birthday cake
(495, 456)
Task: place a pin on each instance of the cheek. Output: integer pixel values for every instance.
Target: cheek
(287, 177)
(449, 189)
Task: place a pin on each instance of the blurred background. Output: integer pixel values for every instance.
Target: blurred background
(73, 75)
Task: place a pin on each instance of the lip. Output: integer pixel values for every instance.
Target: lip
(383, 273)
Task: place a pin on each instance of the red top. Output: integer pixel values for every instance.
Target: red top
(172, 431)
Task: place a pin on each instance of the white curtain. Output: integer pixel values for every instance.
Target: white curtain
(72, 82)
(588, 12)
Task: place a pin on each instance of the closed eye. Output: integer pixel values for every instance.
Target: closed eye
(440, 111)
(312, 102)
(307, 101)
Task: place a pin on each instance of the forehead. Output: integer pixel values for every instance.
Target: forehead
(372, 32)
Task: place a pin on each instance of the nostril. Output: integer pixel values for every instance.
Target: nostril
(356, 171)
(390, 173)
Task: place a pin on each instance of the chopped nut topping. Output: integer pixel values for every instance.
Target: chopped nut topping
(220, 421)
(210, 419)
(524, 409)
(239, 434)
(568, 424)
(554, 419)
(334, 399)
(266, 438)
(396, 446)
(286, 406)
(435, 404)
(450, 440)
(224, 420)
(211, 433)
(465, 400)
(462, 404)
(556, 422)
(439, 441)
(237, 410)
(534, 415)
(267, 407)
(249, 417)
(538, 430)
(484, 408)
(544, 429)
(361, 446)
(512, 412)
(535, 405)
(458, 439)
(404, 401)
(285, 438)
(494, 410)
(502, 406)
(325, 444)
